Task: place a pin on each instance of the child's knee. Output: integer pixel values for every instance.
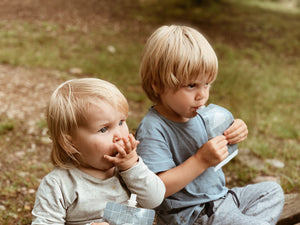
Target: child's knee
(276, 190)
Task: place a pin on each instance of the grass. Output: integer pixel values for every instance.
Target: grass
(6, 126)
(258, 50)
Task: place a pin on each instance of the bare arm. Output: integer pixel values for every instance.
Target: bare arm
(210, 154)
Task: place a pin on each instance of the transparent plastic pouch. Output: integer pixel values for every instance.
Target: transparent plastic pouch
(121, 214)
(217, 119)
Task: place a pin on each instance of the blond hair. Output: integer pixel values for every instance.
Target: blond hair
(173, 56)
(66, 111)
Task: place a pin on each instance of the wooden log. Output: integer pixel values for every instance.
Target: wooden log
(291, 210)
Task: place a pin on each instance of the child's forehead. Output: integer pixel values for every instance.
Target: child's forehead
(103, 112)
(199, 79)
(110, 105)
(98, 103)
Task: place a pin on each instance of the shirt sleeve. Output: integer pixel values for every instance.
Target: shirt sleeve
(154, 146)
(148, 187)
(49, 206)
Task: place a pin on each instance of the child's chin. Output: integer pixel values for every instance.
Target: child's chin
(193, 114)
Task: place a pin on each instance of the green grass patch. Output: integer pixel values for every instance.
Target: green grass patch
(63, 47)
(6, 126)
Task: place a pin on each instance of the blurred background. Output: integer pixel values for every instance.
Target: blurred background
(43, 43)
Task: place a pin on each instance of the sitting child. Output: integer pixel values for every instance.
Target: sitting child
(177, 68)
(94, 156)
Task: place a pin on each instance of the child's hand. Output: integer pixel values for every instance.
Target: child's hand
(237, 132)
(214, 151)
(126, 156)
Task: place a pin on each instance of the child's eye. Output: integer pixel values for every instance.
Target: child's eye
(191, 85)
(207, 85)
(121, 122)
(103, 130)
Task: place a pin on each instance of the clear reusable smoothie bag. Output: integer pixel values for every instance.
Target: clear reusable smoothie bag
(121, 214)
(217, 119)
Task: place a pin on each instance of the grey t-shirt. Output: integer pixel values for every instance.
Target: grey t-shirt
(165, 144)
(73, 197)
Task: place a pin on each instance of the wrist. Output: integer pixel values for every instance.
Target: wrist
(200, 163)
(128, 165)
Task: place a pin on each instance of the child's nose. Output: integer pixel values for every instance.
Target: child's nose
(118, 139)
(117, 136)
(200, 94)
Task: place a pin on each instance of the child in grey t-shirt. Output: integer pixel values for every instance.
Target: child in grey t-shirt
(177, 69)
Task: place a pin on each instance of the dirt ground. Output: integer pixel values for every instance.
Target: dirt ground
(24, 92)
(64, 12)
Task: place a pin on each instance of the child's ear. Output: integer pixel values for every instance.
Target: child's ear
(155, 89)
